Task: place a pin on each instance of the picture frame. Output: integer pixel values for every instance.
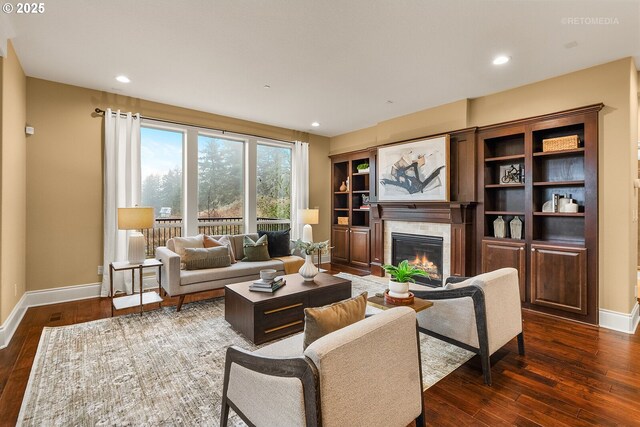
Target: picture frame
(511, 174)
(414, 171)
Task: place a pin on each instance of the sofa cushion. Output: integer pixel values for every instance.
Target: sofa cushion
(320, 321)
(256, 250)
(241, 270)
(210, 242)
(181, 243)
(200, 258)
(279, 242)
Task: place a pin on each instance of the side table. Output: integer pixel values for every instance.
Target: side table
(418, 305)
(128, 301)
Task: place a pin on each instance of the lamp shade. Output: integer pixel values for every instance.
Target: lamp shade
(137, 218)
(308, 216)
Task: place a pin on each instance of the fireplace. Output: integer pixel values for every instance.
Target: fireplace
(425, 252)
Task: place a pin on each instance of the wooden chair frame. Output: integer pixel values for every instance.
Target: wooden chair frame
(477, 295)
(295, 367)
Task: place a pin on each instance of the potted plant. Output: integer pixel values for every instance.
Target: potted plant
(363, 167)
(308, 270)
(401, 276)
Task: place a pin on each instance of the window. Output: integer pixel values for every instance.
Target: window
(273, 187)
(161, 171)
(220, 185)
(201, 181)
(162, 183)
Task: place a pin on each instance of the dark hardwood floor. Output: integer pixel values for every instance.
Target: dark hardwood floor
(572, 374)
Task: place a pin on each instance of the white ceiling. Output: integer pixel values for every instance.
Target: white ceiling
(334, 61)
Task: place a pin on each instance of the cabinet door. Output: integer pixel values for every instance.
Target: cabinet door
(359, 249)
(497, 255)
(559, 278)
(340, 243)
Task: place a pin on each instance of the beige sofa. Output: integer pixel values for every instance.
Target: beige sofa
(177, 282)
(365, 374)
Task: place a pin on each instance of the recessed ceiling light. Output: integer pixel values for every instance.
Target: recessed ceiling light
(123, 79)
(315, 124)
(502, 59)
(266, 87)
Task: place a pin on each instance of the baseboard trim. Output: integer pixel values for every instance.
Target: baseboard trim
(8, 328)
(622, 322)
(44, 297)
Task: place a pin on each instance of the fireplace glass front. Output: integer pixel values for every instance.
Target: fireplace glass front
(426, 252)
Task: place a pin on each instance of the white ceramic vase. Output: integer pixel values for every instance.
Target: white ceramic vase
(308, 270)
(398, 290)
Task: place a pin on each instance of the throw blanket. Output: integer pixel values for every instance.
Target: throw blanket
(291, 263)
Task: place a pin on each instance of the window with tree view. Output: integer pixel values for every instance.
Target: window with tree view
(161, 171)
(220, 183)
(210, 182)
(273, 187)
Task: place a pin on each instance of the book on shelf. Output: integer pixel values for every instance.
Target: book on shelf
(270, 289)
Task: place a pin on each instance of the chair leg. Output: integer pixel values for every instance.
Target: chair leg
(224, 415)
(486, 368)
(180, 301)
(521, 343)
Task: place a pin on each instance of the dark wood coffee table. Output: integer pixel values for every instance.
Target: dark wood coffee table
(263, 317)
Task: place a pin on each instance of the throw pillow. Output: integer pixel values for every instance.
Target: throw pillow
(320, 321)
(199, 258)
(182, 243)
(210, 242)
(256, 251)
(279, 242)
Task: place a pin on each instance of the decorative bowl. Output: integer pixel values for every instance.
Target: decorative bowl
(268, 274)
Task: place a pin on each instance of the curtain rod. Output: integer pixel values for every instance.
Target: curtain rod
(101, 112)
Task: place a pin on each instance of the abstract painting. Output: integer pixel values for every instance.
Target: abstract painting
(414, 171)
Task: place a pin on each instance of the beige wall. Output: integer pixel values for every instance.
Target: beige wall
(609, 83)
(426, 122)
(64, 186)
(13, 183)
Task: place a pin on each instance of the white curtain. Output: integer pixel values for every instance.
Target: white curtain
(121, 189)
(299, 186)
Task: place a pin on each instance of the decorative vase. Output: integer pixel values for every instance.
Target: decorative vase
(398, 290)
(498, 227)
(516, 228)
(343, 187)
(308, 270)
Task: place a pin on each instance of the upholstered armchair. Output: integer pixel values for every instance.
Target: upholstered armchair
(365, 374)
(480, 314)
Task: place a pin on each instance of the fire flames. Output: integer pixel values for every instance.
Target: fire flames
(423, 263)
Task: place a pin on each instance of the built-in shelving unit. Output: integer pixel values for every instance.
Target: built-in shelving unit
(557, 253)
(351, 219)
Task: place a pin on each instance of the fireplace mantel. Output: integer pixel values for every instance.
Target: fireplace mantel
(459, 214)
(440, 212)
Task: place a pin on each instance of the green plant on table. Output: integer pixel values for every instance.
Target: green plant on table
(404, 272)
(362, 166)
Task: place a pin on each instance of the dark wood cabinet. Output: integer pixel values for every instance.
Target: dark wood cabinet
(351, 179)
(502, 254)
(519, 176)
(559, 278)
(359, 247)
(340, 243)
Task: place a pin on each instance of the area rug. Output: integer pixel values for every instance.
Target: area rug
(163, 368)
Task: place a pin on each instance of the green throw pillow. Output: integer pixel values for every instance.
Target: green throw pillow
(256, 251)
(199, 258)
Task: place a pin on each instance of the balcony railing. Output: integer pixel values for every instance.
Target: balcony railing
(167, 228)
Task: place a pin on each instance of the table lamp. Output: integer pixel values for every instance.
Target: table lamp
(307, 217)
(136, 218)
